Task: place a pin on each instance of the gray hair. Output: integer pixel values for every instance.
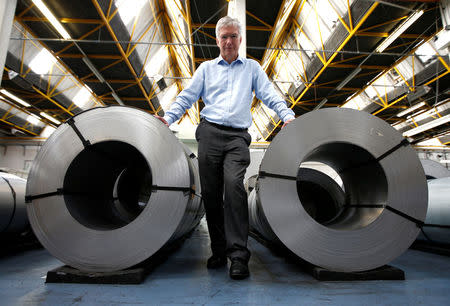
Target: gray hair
(227, 21)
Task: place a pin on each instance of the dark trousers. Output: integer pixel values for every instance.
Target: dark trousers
(223, 157)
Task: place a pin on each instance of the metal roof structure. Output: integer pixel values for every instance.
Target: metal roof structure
(377, 56)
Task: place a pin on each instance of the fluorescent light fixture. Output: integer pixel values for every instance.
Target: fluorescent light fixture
(42, 62)
(321, 104)
(116, 97)
(427, 126)
(411, 109)
(55, 23)
(445, 161)
(82, 97)
(93, 69)
(49, 118)
(348, 78)
(17, 99)
(33, 119)
(399, 31)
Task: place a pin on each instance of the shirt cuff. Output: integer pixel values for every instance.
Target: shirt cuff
(288, 117)
(168, 119)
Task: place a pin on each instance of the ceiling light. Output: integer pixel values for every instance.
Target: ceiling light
(348, 78)
(93, 69)
(33, 119)
(82, 97)
(411, 109)
(50, 118)
(399, 30)
(55, 23)
(427, 126)
(42, 62)
(10, 95)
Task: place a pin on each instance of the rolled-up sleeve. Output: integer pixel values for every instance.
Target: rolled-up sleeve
(265, 91)
(186, 97)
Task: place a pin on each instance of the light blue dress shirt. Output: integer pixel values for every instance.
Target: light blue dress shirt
(226, 90)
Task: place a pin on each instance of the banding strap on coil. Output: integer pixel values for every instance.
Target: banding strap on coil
(390, 208)
(263, 174)
(402, 143)
(30, 198)
(60, 191)
(173, 188)
(85, 142)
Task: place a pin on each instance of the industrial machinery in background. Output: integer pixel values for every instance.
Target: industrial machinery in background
(111, 188)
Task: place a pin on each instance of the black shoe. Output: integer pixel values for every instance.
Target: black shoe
(239, 269)
(215, 262)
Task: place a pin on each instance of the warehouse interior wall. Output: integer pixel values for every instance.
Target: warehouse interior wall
(17, 159)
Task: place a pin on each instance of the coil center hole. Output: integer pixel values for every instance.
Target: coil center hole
(107, 185)
(344, 181)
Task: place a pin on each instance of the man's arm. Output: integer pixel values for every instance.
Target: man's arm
(265, 91)
(185, 98)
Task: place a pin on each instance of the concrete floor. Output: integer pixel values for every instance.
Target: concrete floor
(184, 279)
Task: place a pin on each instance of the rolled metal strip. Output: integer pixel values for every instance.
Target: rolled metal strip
(322, 198)
(378, 169)
(434, 170)
(13, 212)
(437, 222)
(110, 189)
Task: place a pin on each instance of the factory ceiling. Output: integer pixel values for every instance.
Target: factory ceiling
(377, 56)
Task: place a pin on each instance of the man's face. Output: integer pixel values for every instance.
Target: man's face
(229, 41)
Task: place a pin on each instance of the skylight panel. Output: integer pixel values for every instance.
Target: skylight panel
(128, 9)
(42, 62)
(82, 97)
(156, 62)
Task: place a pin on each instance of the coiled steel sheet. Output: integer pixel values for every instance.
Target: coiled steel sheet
(110, 188)
(384, 183)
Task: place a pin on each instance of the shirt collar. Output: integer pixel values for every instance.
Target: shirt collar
(220, 60)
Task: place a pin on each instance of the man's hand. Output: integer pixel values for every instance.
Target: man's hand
(287, 121)
(162, 119)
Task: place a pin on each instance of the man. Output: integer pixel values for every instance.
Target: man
(226, 85)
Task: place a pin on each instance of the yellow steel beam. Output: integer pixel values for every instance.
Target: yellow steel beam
(390, 104)
(51, 100)
(122, 52)
(94, 56)
(386, 34)
(62, 20)
(18, 127)
(396, 63)
(371, 67)
(339, 17)
(213, 26)
(354, 29)
(350, 35)
(268, 26)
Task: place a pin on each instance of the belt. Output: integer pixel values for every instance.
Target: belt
(224, 127)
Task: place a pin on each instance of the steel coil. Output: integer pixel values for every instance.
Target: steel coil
(437, 222)
(434, 170)
(13, 213)
(110, 188)
(384, 183)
